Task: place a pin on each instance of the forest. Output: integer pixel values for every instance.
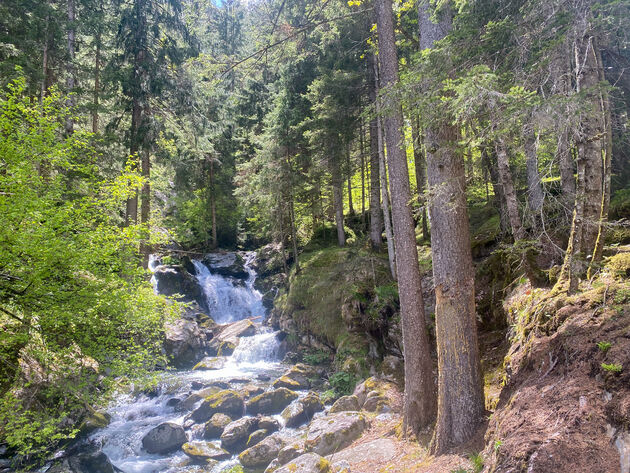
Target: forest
(426, 202)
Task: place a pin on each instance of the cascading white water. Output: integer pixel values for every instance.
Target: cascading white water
(227, 301)
(255, 358)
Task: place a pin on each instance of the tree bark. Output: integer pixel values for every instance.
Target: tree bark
(564, 158)
(389, 231)
(349, 164)
(296, 259)
(376, 213)
(213, 206)
(535, 196)
(362, 156)
(460, 385)
(499, 199)
(511, 201)
(97, 83)
(145, 201)
(419, 404)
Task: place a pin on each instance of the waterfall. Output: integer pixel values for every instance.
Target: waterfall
(229, 301)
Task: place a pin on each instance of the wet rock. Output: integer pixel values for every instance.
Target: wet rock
(205, 451)
(234, 437)
(232, 332)
(211, 363)
(166, 437)
(175, 280)
(239, 380)
(183, 343)
(257, 436)
(94, 420)
(297, 377)
(173, 402)
(308, 463)
(230, 265)
(189, 402)
(225, 402)
(218, 347)
(345, 403)
(261, 454)
(268, 423)
(302, 410)
(251, 390)
(215, 426)
(91, 463)
(271, 402)
(334, 432)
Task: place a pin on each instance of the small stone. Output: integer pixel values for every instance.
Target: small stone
(204, 451)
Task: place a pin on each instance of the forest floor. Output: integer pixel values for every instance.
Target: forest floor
(557, 386)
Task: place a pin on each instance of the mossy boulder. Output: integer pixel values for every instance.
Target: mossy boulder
(263, 453)
(189, 402)
(226, 402)
(619, 264)
(251, 390)
(271, 402)
(235, 435)
(345, 403)
(205, 452)
(297, 377)
(308, 463)
(215, 426)
(257, 436)
(268, 423)
(335, 432)
(381, 386)
(217, 347)
(93, 421)
(210, 363)
(301, 411)
(165, 438)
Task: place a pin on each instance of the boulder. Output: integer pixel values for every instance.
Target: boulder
(215, 426)
(217, 347)
(183, 342)
(263, 453)
(297, 377)
(268, 423)
(176, 280)
(166, 437)
(334, 432)
(211, 363)
(91, 463)
(189, 402)
(204, 452)
(250, 390)
(381, 450)
(225, 402)
(230, 265)
(393, 369)
(93, 421)
(372, 384)
(257, 436)
(301, 411)
(377, 402)
(290, 452)
(235, 435)
(271, 402)
(232, 332)
(308, 463)
(345, 403)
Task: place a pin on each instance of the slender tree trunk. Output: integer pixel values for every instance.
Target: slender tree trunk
(418, 157)
(283, 251)
(564, 158)
(511, 201)
(376, 214)
(499, 198)
(419, 405)
(296, 259)
(70, 80)
(460, 386)
(389, 231)
(45, 61)
(97, 83)
(535, 196)
(213, 206)
(362, 155)
(145, 201)
(335, 171)
(349, 164)
(131, 215)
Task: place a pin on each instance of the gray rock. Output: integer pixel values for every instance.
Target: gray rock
(261, 454)
(308, 463)
(290, 452)
(235, 435)
(257, 436)
(268, 423)
(297, 377)
(205, 451)
(334, 432)
(183, 342)
(377, 402)
(301, 411)
(345, 403)
(211, 363)
(380, 450)
(225, 402)
(271, 402)
(215, 426)
(166, 437)
(91, 463)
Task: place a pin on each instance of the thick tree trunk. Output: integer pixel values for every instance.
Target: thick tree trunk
(511, 201)
(419, 165)
(460, 386)
(535, 196)
(376, 214)
(335, 171)
(70, 80)
(419, 405)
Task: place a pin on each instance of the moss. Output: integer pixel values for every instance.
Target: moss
(215, 400)
(619, 264)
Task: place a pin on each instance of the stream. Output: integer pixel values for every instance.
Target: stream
(255, 361)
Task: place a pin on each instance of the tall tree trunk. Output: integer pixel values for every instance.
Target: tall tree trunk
(97, 83)
(362, 155)
(213, 206)
(349, 164)
(511, 201)
(376, 214)
(389, 231)
(45, 61)
(296, 259)
(535, 196)
(460, 386)
(335, 171)
(419, 404)
(564, 158)
(499, 198)
(607, 153)
(418, 158)
(70, 80)
(131, 215)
